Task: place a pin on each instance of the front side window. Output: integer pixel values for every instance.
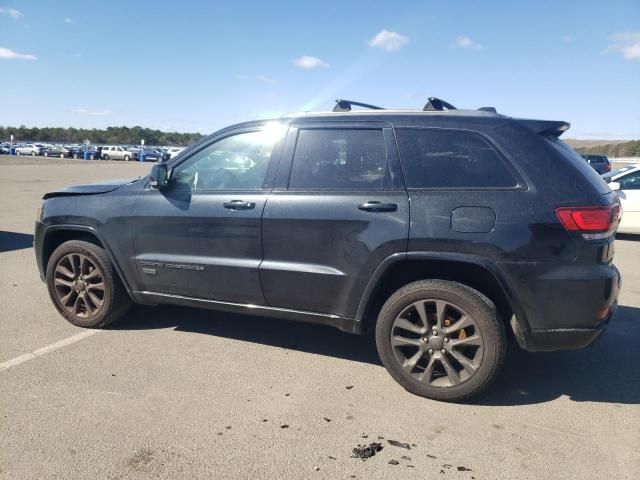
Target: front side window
(434, 158)
(337, 159)
(630, 182)
(238, 162)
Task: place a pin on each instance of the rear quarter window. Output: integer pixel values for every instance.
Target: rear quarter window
(438, 158)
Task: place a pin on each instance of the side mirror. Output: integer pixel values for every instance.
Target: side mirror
(159, 177)
(615, 186)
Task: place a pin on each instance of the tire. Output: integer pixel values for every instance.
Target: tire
(46, 154)
(84, 309)
(92, 157)
(33, 154)
(127, 158)
(62, 155)
(105, 157)
(75, 155)
(479, 343)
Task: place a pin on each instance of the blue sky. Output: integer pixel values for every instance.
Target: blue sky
(200, 65)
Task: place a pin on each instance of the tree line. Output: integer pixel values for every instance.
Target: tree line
(110, 135)
(625, 149)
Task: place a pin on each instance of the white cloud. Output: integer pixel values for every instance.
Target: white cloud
(68, 20)
(567, 38)
(627, 43)
(265, 79)
(93, 113)
(7, 54)
(12, 12)
(309, 63)
(388, 41)
(465, 42)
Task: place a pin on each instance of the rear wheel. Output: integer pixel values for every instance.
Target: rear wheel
(46, 154)
(105, 156)
(127, 158)
(33, 153)
(440, 339)
(75, 155)
(84, 286)
(62, 155)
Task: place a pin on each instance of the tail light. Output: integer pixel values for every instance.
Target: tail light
(592, 222)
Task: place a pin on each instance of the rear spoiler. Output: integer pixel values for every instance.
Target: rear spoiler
(546, 127)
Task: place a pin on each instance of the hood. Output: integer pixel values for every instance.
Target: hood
(90, 188)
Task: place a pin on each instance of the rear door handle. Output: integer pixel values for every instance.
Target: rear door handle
(239, 205)
(375, 206)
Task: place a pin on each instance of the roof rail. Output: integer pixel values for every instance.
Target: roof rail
(436, 104)
(345, 105)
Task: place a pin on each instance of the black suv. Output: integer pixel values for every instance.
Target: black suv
(441, 230)
(600, 163)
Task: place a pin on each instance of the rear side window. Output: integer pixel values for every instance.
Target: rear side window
(336, 159)
(435, 158)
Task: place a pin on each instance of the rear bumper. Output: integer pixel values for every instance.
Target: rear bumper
(567, 308)
(562, 338)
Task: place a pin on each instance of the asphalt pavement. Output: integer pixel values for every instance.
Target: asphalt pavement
(173, 392)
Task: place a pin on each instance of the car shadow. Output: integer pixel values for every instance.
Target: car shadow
(304, 337)
(10, 241)
(628, 237)
(607, 371)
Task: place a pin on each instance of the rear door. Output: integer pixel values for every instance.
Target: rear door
(630, 198)
(340, 208)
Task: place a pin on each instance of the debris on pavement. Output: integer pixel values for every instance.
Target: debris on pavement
(404, 457)
(396, 443)
(327, 419)
(366, 451)
(284, 426)
(394, 462)
(349, 387)
(464, 469)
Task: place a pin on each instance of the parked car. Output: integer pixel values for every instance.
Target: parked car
(78, 152)
(29, 149)
(115, 152)
(5, 148)
(440, 229)
(626, 182)
(56, 151)
(600, 163)
(173, 151)
(150, 155)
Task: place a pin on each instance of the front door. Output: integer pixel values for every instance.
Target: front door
(201, 235)
(338, 210)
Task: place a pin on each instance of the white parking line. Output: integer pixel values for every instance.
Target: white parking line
(44, 350)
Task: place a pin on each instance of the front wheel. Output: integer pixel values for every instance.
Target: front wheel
(33, 154)
(441, 340)
(127, 158)
(62, 155)
(46, 154)
(105, 157)
(84, 286)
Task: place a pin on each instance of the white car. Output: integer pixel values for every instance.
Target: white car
(626, 181)
(173, 151)
(28, 149)
(115, 152)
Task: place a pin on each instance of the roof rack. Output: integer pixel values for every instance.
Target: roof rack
(436, 104)
(345, 105)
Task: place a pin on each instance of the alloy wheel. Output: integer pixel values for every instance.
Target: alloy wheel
(79, 285)
(436, 342)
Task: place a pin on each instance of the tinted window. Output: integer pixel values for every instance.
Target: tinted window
(238, 162)
(630, 182)
(451, 159)
(340, 159)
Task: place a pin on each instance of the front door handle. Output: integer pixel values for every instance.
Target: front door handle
(239, 205)
(375, 206)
